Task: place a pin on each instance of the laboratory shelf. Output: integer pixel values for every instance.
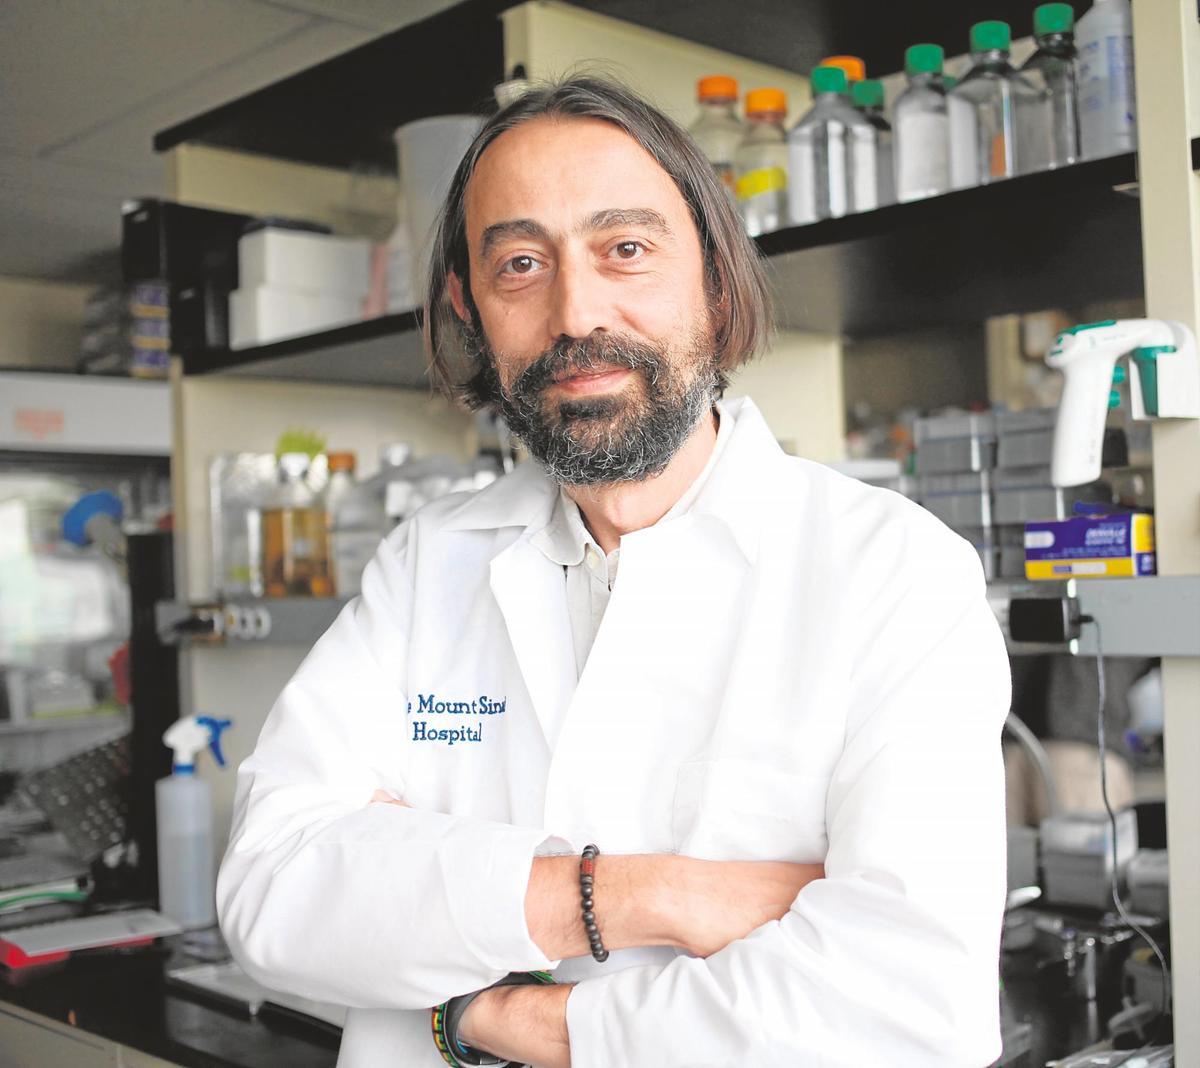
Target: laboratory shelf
(341, 113)
(1157, 615)
(240, 622)
(384, 351)
(38, 724)
(955, 258)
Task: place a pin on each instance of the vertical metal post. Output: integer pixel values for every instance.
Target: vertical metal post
(1167, 61)
(154, 677)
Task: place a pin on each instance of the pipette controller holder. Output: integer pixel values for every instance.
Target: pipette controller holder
(1164, 384)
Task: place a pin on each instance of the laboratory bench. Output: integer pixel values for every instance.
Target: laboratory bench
(117, 1009)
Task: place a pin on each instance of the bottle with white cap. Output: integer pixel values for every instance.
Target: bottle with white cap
(1107, 113)
(186, 880)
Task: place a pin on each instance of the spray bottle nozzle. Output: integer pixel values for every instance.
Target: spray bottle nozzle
(189, 735)
(215, 728)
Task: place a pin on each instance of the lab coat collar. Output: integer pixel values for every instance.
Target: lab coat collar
(739, 492)
(744, 487)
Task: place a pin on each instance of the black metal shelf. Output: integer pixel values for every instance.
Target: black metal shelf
(1059, 238)
(385, 351)
(342, 112)
(960, 257)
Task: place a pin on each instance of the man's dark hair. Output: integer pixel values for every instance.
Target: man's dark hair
(740, 303)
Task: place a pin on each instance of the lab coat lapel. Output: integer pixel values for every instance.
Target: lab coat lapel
(531, 593)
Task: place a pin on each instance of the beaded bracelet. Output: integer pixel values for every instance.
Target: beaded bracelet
(587, 879)
(444, 1020)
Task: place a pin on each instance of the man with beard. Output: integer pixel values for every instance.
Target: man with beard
(708, 732)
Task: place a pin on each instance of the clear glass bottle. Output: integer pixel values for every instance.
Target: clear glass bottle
(922, 126)
(983, 109)
(867, 97)
(295, 535)
(356, 523)
(1107, 109)
(831, 154)
(1051, 128)
(718, 130)
(760, 165)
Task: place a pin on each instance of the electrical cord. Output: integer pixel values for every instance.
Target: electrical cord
(1165, 999)
(49, 895)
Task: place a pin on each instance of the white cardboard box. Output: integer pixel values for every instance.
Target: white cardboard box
(260, 315)
(313, 263)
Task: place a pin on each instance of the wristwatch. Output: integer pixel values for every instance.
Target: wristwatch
(445, 1018)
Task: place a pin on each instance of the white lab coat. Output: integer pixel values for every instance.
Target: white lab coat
(800, 668)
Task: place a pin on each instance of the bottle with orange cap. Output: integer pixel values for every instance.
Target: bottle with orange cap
(855, 68)
(718, 130)
(760, 165)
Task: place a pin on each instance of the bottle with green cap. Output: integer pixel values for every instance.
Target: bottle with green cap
(922, 126)
(984, 108)
(867, 95)
(831, 154)
(1051, 127)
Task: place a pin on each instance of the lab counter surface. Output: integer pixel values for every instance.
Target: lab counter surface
(124, 999)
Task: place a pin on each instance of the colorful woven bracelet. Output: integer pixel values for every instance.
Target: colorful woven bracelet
(444, 1020)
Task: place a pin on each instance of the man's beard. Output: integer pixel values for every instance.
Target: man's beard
(625, 436)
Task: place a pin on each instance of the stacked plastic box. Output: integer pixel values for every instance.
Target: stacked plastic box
(988, 474)
(1021, 484)
(955, 461)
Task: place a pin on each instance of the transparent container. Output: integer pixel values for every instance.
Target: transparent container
(760, 165)
(1051, 127)
(831, 154)
(922, 127)
(984, 110)
(295, 535)
(867, 96)
(356, 523)
(1107, 107)
(718, 130)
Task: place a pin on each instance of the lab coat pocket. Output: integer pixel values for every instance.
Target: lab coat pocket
(744, 810)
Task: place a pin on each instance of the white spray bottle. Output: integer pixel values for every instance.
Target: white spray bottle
(186, 882)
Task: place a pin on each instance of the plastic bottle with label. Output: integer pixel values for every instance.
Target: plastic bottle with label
(983, 110)
(1107, 108)
(356, 523)
(760, 165)
(1051, 128)
(922, 126)
(295, 535)
(718, 130)
(867, 97)
(831, 154)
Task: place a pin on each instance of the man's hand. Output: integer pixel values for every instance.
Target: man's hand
(527, 1024)
(722, 901)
